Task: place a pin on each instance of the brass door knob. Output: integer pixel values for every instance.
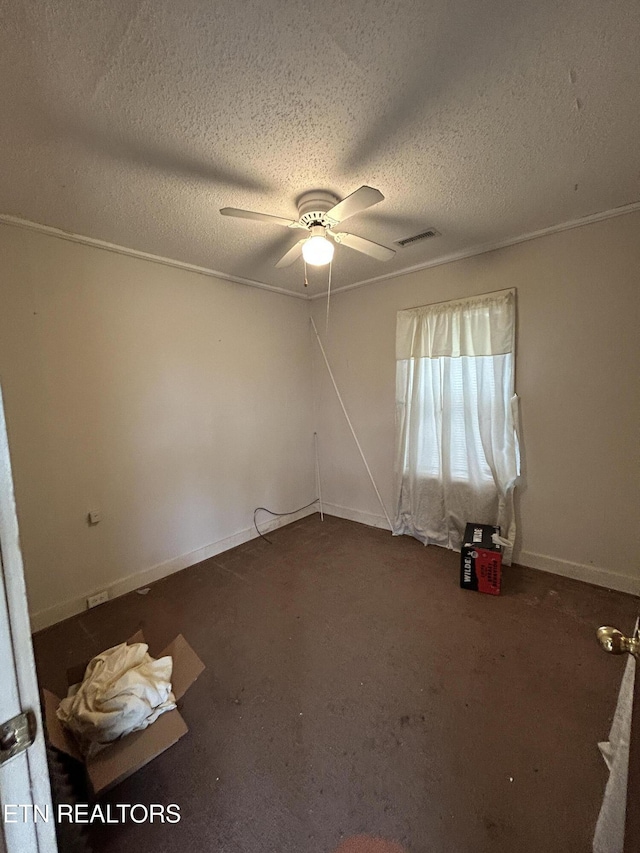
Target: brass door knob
(615, 642)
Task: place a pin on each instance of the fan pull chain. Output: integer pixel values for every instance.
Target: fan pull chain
(326, 329)
(306, 283)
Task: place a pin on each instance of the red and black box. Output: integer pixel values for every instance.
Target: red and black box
(481, 559)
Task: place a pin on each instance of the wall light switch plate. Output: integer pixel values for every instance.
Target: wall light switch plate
(98, 598)
(95, 516)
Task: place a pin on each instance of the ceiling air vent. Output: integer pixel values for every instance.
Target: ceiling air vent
(424, 235)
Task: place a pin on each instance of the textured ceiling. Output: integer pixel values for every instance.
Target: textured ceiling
(134, 122)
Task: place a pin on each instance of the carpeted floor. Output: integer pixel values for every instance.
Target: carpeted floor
(355, 695)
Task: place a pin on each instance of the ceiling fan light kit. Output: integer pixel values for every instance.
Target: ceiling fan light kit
(319, 211)
(317, 250)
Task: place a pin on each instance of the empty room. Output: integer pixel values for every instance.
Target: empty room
(319, 426)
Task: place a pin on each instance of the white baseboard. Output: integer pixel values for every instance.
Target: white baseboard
(580, 572)
(553, 565)
(368, 518)
(50, 615)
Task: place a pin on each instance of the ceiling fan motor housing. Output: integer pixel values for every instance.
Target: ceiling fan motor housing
(312, 207)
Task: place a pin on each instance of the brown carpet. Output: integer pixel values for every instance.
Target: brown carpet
(357, 700)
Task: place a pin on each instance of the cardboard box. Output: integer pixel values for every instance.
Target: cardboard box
(128, 754)
(480, 559)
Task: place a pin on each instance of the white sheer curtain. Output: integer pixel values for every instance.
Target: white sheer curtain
(456, 417)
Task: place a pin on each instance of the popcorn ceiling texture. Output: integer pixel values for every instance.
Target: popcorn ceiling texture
(134, 122)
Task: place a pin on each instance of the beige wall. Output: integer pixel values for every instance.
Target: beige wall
(173, 402)
(578, 361)
(176, 403)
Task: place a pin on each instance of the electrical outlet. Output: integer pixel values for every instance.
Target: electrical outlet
(98, 598)
(94, 516)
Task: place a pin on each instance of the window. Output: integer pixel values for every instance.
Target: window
(457, 455)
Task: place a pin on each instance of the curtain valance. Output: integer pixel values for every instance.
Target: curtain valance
(483, 325)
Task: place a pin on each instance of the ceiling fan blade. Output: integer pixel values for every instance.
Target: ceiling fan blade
(367, 247)
(260, 217)
(291, 256)
(359, 200)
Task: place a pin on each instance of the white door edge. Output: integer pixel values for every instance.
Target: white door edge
(24, 779)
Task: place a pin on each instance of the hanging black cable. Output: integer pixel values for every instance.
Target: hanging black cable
(279, 514)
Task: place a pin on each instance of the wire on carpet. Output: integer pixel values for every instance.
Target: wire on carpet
(279, 514)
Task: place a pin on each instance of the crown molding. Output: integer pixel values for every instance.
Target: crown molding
(70, 236)
(490, 247)
(482, 249)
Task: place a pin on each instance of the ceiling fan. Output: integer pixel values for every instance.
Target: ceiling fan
(319, 212)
